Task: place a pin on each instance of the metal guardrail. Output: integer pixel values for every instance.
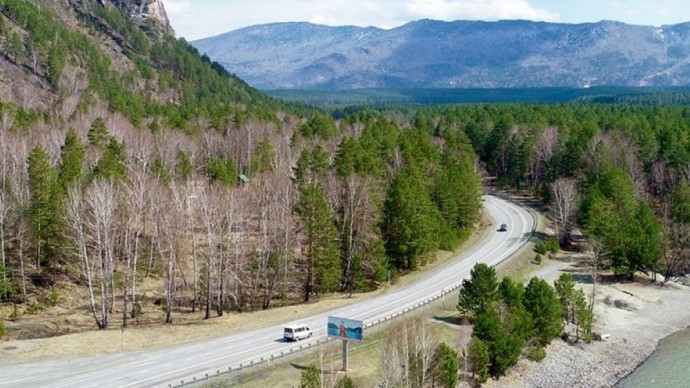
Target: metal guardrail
(275, 356)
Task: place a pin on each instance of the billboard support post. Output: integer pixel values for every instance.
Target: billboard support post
(346, 330)
(345, 351)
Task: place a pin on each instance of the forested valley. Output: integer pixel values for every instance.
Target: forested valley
(126, 158)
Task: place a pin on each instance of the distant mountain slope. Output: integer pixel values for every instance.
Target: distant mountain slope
(427, 53)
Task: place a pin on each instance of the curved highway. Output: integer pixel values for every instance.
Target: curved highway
(182, 364)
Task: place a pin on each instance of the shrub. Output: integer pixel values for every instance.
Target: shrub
(537, 259)
(551, 245)
(136, 310)
(346, 382)
(15, 315)
(33, 308)
(537, 353)
(3, 330)
(53, 298)
(310, 378)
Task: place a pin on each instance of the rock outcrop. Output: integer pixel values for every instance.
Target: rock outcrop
(147, 12)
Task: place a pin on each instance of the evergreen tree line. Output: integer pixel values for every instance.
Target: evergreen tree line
(620, 172)
(511, 320)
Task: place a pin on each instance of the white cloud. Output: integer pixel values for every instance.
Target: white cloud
(177, 8)
(478, 9)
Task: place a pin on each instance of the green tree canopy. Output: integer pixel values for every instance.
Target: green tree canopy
(479, 293)
(112, 163)
(504, 348)
(73, 154)
(311, 378)
(264, 157)
(411, 221)
(681, 202)
(322, 272)
(542, 303)
(45, 202)
(446, 365)
(98, 135)
(478, 354)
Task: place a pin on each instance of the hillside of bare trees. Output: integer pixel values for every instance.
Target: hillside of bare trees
(126, 158)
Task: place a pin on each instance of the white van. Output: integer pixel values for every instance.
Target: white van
(296, 332)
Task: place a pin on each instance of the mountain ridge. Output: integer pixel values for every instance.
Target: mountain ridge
(458, 54)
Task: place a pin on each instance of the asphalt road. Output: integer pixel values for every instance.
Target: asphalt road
(182, 363)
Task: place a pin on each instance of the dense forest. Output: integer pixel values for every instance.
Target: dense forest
(341, 98)
(227, 199)
(620, 172)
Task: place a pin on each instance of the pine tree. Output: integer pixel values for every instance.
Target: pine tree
(112, 162)
(184, 167)
(98, 135)
(583, 316)
(512, 293)
(221, 171)
(43, 210)
(446, 365)
(159, 170)
(264, 157)
(411, 221)
(478, 355)
(73, 154)
(542, 303)
(565, 289)
(457, 190)
(479, 293)
(322, 261)
(504, 347)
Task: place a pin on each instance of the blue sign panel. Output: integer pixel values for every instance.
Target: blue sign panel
(343, 328)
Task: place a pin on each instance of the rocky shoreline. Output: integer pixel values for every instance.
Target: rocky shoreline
(636, 315)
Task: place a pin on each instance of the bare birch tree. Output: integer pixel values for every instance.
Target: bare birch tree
(563, 207)
(171, 227)
(597, 260)
(543, 151)
(20, 223)
(134, 196)
(236, 239)
(101, 203)
(4, 213)
(285, 221)
(267, 202)
(677, 255)
(75, 216)
(409, 351)
(210, 204)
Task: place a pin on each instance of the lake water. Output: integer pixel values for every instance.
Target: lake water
(667, 367)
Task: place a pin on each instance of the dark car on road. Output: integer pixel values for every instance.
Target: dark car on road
(503, 228)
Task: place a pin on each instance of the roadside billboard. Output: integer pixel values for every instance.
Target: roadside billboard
(343, 328)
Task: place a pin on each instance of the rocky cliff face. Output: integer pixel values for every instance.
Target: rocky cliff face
(146, 11)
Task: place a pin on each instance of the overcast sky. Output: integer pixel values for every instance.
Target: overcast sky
(194, 19)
